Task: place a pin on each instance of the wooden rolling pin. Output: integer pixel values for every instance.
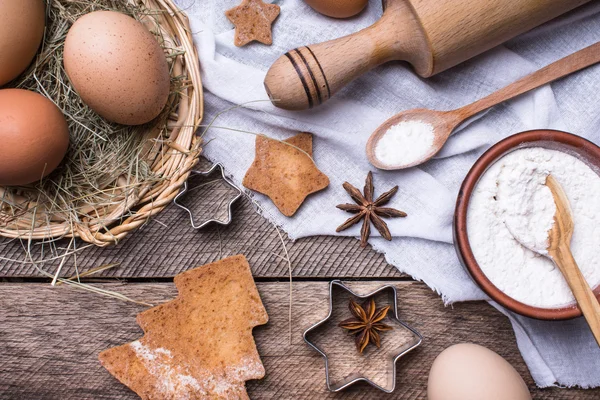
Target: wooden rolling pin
(432, 35)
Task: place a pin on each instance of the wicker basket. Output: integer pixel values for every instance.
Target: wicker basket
(171, 158)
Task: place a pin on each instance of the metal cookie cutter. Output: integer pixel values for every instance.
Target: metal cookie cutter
(212, 169)
(412, 339)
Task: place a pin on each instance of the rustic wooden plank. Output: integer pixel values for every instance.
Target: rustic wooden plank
(51, 338)
(168, 245)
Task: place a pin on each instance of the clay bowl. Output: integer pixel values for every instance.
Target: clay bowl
(585, 150)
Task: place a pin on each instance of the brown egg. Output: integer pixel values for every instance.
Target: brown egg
(117, 67)
(34, 137)
(21, 32)
(471, 372)
(338, 8)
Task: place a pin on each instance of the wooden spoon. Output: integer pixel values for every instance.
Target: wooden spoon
(559, 251)
(444, 122)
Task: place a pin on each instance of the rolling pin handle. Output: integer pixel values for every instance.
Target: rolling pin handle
(308, 76)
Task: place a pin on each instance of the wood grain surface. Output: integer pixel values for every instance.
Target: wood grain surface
(168, 245)
(51, 339)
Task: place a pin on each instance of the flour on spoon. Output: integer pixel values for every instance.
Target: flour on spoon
(405, 143)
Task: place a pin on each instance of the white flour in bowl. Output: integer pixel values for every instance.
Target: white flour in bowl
(526, 203)
(511, 201)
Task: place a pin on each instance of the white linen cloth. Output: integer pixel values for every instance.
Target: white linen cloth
(557, 353)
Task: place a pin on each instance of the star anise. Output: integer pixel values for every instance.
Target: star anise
(370, 210)
(366, 323)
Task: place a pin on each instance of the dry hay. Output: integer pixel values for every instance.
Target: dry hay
(114, 177)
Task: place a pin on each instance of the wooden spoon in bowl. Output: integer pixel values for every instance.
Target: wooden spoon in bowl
(444, 122)
(559, 251)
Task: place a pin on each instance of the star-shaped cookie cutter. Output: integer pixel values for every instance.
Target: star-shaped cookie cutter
(185, 188)
(393, 299)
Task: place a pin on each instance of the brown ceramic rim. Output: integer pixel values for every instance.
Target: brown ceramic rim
(577, 146)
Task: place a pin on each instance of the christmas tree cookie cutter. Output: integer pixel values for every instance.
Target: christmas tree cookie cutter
(186, 188)
(337, 347)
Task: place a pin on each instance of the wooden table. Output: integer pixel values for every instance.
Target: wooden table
(50, 337)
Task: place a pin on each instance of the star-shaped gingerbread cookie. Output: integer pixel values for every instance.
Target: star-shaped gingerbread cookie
(284, 173)
(253, 20)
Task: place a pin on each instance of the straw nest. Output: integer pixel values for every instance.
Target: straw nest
(114, 178)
